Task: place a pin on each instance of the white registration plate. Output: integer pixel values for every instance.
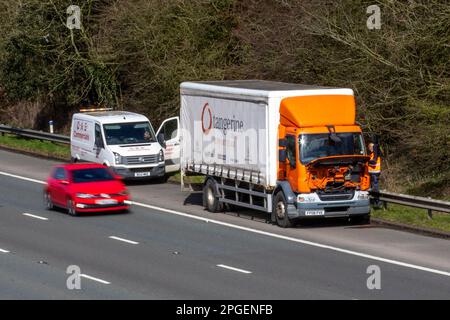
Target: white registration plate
(106, 201)
(314, 212)
(142, 174)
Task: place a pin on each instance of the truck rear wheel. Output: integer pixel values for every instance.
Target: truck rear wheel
(210, 200)
(280, 210)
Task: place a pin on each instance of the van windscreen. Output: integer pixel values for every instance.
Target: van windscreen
(128, 133)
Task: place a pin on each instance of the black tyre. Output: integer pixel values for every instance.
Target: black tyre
(210, 200)
(280, 211)
(71, 210)
(48, 201)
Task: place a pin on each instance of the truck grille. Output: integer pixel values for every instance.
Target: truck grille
(336, 196)
(141, 159)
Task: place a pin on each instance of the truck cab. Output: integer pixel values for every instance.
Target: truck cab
(322, 157)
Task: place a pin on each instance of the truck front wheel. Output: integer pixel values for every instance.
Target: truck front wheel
(210, 200)
(280, 210)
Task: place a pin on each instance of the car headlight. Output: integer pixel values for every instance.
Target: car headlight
(117, 158)
(85, 195)
(161, 156)
(363, 196)
(305, 199)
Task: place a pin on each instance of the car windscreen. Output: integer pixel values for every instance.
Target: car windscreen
(129, 133)
(313, 146)
(91, 175)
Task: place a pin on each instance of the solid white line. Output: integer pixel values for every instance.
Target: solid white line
(233, 268)
(274, 235)
(20, 177)
(124, 240)
(33, 216)
(94, 279)
(4, 251)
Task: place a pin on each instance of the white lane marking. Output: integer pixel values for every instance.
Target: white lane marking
(22, 178)
(3, 251)
(233, 268)
(274, 235)
(34, 216)
(124, 240)
(94, 279)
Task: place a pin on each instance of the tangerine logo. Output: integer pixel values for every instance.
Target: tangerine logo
(206, 127)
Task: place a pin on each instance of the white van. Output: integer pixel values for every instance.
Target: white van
(126, 142)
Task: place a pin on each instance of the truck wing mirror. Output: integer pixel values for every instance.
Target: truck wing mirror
(282, 155)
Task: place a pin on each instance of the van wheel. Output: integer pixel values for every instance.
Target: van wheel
(48, 201)
(280, 210)
(71, 208)
(210, 200)
(73, 160)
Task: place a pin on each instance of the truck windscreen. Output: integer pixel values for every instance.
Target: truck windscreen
(128, 133)
(313, 146)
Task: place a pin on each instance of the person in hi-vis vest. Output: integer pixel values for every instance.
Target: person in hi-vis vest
(374, 168)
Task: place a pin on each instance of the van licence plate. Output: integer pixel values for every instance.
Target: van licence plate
(142, 174)
(314, 212)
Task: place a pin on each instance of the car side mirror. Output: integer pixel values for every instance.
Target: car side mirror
(161, 139)
(64, 182)
(117, 177)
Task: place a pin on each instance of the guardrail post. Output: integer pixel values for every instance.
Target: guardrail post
(50, 124)
(430, 214)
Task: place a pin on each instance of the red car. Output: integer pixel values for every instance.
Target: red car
(85, 188)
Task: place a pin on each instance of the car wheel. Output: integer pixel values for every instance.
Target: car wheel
(280, 210)
(48, 201)
(210, 200)
(71, 208)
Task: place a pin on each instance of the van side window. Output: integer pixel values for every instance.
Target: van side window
(59, 174)
(170, 129)
(290, 150)
(98, 136)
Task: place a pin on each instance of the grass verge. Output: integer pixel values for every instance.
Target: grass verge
(34, 146)
(414, 217)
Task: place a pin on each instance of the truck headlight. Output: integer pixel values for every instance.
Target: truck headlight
(117, 158)
(161, 156)
(363, 195)
(305, 198)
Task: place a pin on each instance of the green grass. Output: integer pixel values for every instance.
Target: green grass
(42, 148)
(414, 217)
(190, 179)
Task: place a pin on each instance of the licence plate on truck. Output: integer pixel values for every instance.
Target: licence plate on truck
(142, 174)
(106, 201)
(314, 212)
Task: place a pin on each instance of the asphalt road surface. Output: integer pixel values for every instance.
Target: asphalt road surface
(168, 247)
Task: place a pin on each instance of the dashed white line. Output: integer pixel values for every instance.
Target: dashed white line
(34, 216)
(233, 268)
(273, 235)
(94, 279)
(123, 240)
(4, 251)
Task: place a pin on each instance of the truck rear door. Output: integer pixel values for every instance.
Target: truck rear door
(170, 128)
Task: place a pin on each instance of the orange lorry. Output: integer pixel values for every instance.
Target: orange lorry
(293, 151)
